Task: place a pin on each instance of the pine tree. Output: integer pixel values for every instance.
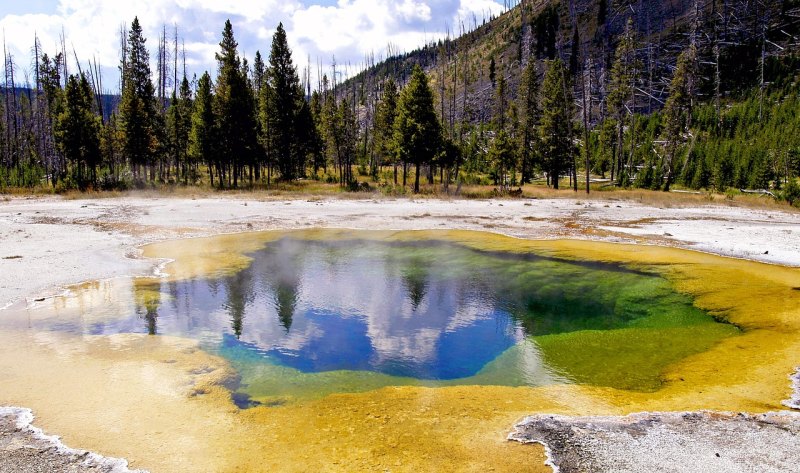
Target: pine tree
(137, 108)
(417, 130)
(179, 122)
(602, 12)
(575, 53)
(500, 105)
(77, 132)
(318, 148)
(259, 73)
(234, 111)
(202, 138)
(184, 128)
(331, 128)
(492, 72)
(528, 106)
(384, 125)
(555, 132)
(307, 139)
(173, 122)
(677, 110)
(347, 140)
(624, 75)
(285, 101)
(503, 157)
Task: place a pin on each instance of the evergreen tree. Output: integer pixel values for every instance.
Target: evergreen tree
(602, 12)
(173, 122)
(528, 106)
(555, 132)
(184, 127)
(677, 110)
(607, 145)
(624, 75)
(307, 139)
(575, 53)
(347, 140)
(259, 73)
(179, 123)
(492, 72)
(501, 105)
(503, 157)
(318, 148)
(202, 138)
(284, 103)
(78, 132)
(331, 127)
(234, 111)
(417, 130)
(137, 110)
(384, 125)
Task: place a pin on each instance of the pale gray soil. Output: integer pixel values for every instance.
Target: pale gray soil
(55, 242)
(668, 442)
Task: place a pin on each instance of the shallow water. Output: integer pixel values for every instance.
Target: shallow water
(310, 317)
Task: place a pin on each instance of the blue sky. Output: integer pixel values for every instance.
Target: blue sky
(348, 30)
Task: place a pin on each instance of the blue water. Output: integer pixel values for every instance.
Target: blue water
(431, 311)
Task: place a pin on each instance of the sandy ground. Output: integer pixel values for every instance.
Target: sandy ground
(49, 243)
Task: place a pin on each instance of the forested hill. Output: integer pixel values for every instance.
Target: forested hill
(585, 33)
(701, 94)
(698, 93)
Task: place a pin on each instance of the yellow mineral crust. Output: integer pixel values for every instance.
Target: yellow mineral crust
(160, 402)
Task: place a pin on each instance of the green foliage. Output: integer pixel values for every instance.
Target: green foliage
(284, 103)
(620, 101)
(417, 130)
(179, 123)
(530, 114)
(501, 108)
(556, 131)
(492, 72)
(137, 110)
(545, 30)
(202, 137)
(77, 132)
(384, 123)
(503, 157)
(678, 109)
(745, 152)
(234, 111)
(791, 193)
(347, 138)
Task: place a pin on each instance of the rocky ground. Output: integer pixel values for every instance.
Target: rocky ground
(26, 449)
(692, 441)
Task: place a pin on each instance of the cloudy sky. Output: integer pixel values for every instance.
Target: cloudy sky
(321, 29)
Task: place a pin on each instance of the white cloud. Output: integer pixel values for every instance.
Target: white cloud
(349, 30)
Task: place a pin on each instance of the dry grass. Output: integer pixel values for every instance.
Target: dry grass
(313, 189)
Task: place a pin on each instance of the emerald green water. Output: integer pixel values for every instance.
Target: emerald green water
(308, 318)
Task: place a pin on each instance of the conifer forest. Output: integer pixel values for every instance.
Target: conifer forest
(578, 94)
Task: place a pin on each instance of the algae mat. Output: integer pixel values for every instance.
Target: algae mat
(166, 405)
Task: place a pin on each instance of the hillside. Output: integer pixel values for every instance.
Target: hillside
(544, 29)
